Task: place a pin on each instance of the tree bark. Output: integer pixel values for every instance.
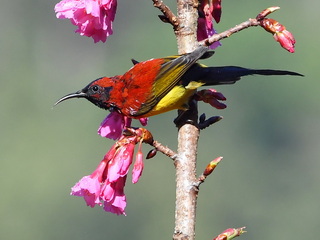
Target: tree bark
(188, 133)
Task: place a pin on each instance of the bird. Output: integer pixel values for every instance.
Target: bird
(160, 85)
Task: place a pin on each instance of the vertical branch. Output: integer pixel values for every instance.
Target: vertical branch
(185, 163)
(187, 31)
(188, 133)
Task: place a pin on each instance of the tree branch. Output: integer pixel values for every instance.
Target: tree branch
(219, 36)
(188, 19)
(252, 22)
(167, 16)
(187, 183)
(165, 150)
(188, 133)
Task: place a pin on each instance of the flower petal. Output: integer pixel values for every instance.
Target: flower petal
(112, 126)
(118, 204)
(89, 189)
(138, 166)
(93, 18)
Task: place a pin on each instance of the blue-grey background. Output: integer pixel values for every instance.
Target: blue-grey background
(269, 137)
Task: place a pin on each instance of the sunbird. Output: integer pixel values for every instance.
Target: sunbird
(160, 85)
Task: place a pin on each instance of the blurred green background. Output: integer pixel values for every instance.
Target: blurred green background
(269, 137)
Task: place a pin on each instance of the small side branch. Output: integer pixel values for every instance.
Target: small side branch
(164, 149)
(279, 31)
(168, 15)
(219, 36)
(208, 170)
(145, 136)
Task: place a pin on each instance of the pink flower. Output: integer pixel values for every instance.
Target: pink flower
(209, 10)
(92, 17)
(114, 124)
(118, 202)
(105, 186)
(119, 164)
(138, 166)
(89, 189)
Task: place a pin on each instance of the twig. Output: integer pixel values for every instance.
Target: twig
(168, 15)
(146, 136)
(252, 22)
(165, 150)
(219, 36)
(208, 170)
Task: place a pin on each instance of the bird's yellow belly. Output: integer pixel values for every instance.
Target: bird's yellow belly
(177, 98)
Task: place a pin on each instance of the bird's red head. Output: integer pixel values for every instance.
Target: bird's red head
(98, 92)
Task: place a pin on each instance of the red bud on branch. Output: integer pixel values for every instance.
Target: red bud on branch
(266, 12)
(211, 166)
(208, 170)
(230, 233)
(152, 153)
(280, 34)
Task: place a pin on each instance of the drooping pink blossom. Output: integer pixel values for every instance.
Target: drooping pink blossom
(92, 17)
(117, 203)
(89, 189)
(209, 10)
(138, 166)
(105, 186)
(119, 164)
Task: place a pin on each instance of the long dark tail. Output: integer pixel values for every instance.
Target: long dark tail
(228, 74)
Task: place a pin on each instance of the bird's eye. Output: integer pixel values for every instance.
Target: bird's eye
(95, 88)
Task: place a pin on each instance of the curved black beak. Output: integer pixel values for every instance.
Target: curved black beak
(78, 94)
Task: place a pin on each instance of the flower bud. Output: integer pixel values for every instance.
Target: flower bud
(230, 233)
(280, 34)
(266, 12)
(144, 121)
(151, 153)
(211, 166)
